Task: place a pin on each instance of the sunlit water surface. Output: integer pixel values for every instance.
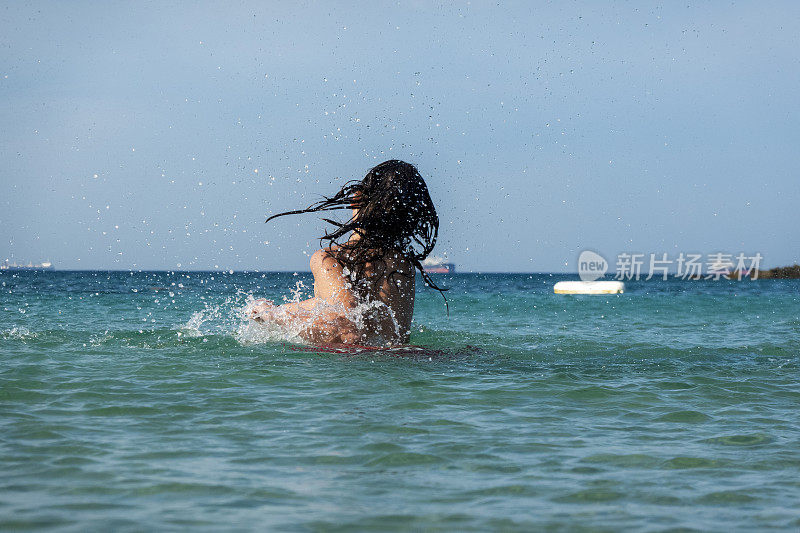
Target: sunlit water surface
(138, 401)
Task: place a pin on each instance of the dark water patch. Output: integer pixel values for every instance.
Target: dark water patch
(588, 470)
(270, 493)
(490, 467)
(410, 353)
(68, 460)
(633, 460)
(397, 430)
(454, 424)
(34, 523)
(413, 406)
(124, 411)
(173, 489)
(681, 417)
(15, 393)
(660, 498)
(396, 522)
(157, 455)
(673, 385)
(514, 490)
(592, 394)
(757, 439)
(92, 506)
(185, 523)
(382, 447)
(785, 458)
(680, 463)
(256, 415)
(336, 459)
(37, 434)
(598, 495)
(728, 497)
(399, 459)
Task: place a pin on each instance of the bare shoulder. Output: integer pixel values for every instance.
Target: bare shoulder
(323, 260)
(329, 280)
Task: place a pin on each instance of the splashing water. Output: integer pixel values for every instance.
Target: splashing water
(279, 324)
(232, 317)
(249, 331)
(218, 319)
(18, 333)
(298, 293)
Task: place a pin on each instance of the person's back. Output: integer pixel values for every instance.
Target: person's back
(390, 282)
(364, 287)
(379, 301)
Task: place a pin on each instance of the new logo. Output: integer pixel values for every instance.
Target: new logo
(591, 266)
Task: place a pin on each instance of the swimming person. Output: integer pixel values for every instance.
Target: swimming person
(364, 286)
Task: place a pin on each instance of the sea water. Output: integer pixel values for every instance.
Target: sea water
(143, 400)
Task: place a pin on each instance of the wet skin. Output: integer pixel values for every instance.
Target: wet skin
(336, 314)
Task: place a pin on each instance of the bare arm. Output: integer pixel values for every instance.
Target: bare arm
(323, 316)
(266, 311)
(320, 323)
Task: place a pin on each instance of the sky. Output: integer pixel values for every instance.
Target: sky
(155, 135)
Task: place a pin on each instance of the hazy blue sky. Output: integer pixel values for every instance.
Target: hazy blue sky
(152, 135)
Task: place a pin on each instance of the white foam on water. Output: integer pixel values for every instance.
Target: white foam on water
(280, 325)
(252, 332)
(216, 319)
(17, 333)
(232, 317)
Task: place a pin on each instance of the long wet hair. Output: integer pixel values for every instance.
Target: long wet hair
(395, 216)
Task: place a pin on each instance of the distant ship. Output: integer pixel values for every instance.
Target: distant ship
(46, 265)
(437, 265)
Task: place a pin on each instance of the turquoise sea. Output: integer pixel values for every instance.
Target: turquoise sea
(141, 401)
